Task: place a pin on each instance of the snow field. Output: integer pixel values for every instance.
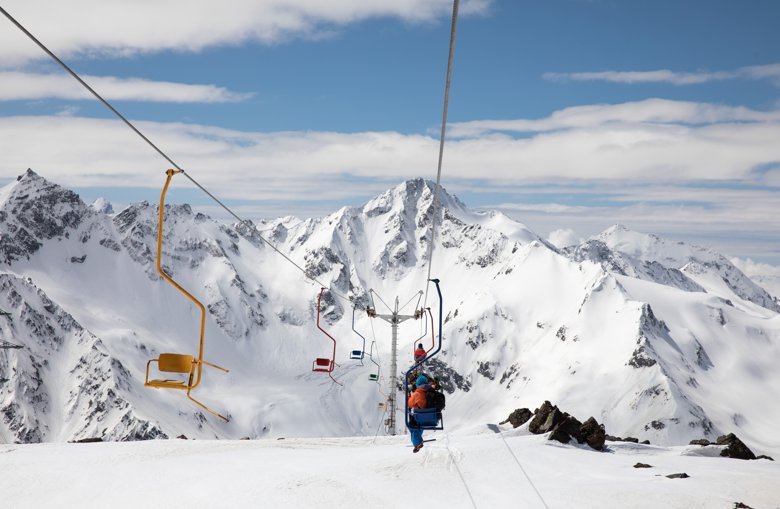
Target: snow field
(379, 473)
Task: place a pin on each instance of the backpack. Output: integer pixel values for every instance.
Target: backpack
(434, 399)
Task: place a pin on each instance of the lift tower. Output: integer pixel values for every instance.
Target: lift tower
(394, 318)
(5, 344)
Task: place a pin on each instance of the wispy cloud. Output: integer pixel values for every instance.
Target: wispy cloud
(770, 72)
(692, 169)
(649, 112)
(685, 147)
(34, 86)
(97, 27)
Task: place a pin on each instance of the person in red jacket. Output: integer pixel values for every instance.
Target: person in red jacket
(419, 354)
(417, 399)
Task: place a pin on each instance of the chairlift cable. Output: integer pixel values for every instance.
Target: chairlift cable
(437, 190)
(419, 297)
(371, 291)
(245, 222)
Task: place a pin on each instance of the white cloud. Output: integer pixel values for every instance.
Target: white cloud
(770, 71)
(563, 237)
(696, 179)
(650, 112)
(34, 86)
(751, 268)
(118, 27)
(595, 148)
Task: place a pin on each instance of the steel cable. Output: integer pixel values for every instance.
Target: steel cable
(244, 222)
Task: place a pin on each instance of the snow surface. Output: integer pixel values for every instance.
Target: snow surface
(359, 472)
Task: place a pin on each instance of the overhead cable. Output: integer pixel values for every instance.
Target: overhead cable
(437, 190)
(245, 222)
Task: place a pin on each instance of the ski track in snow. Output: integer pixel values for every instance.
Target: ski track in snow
(382, 473)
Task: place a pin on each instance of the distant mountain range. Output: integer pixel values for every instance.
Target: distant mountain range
(659, 340)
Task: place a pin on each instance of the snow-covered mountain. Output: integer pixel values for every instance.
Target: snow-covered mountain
(658, 340)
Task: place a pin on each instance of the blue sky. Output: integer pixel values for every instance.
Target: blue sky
(569, 115)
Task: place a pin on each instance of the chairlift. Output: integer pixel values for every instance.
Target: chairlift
(428, 317)
(424, 418)
(373, 377)
(324, 364)
(357, 354)
(174, 362)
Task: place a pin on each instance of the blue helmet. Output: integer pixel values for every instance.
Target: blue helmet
(421, 380)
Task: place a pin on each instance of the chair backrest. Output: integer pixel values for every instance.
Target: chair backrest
(322, 362)
(175, 363)
(428, 417)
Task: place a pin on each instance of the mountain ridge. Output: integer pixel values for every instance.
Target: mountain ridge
(525, 321)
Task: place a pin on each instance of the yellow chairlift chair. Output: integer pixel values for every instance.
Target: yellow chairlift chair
(174, 362)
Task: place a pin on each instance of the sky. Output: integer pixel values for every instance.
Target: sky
(568, 115)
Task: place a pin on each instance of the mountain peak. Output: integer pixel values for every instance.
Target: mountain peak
(103, 206)
(29, 175)
(34, 210)
(412, 194)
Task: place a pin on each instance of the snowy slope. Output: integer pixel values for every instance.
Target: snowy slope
(629, 328)
(462, 470)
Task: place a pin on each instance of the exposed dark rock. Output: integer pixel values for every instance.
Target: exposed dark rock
(449, 379)
(593, 433)
(681, 475)
(545, 418)
(735, 448)
(740, 505)
(641, 359)
(655, 425)
(645, 442)
(518, 417)
(563, 427)
(567, 429)
(78, 259)
(700, 441)
(182, 437)
(88, 440)
(643, 465)
(510, 375)
(487, 369)
(702, 359)
(764, 457)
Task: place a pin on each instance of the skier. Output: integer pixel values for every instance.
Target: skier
(418, 400)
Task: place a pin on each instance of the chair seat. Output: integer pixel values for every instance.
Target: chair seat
(322, 365)
(166, 384)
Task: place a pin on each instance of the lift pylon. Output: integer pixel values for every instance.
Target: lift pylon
(394, 318)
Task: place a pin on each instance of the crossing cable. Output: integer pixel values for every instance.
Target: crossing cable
(245, 222)
(437, 190)
(495, 429)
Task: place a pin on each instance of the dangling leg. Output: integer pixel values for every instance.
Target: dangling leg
(417, 439)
